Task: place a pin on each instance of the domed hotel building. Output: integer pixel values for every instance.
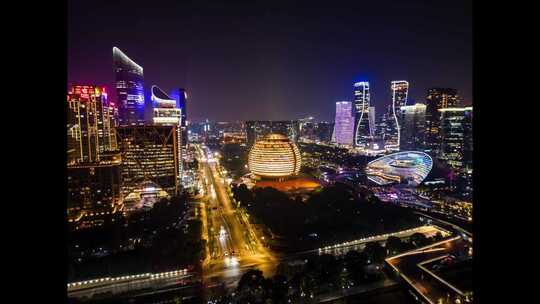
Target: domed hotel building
(274, 156)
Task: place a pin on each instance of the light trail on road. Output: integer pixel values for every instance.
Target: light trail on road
(238, 249)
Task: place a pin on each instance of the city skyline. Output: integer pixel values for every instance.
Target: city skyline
(272, 74)
(262, 153)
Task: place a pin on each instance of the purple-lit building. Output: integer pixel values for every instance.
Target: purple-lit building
(344, 123)
(129, 88)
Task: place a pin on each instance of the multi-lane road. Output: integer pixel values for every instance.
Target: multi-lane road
(233, 244)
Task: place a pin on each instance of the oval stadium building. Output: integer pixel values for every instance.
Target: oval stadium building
(409, 167)
(274, 156)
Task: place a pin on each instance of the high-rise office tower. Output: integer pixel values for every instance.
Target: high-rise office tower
(468, 139)
(259, 128)
(344, 123)
(456, 137)
(149, 153)
(90, 124)
(181, 97)
(400, 92)
(436, 99)
(167, 114)
(362, 132)
(412, 127)
(383, 129)
(129, 88)
(371, 116)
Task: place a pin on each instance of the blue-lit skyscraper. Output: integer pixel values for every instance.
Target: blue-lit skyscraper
(180, 95)
(129, 88)
(362, 131)
(344, 123)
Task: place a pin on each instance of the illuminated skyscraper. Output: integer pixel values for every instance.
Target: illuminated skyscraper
(180, 95)
(362, 132)
(90, 124)
(129, 88)
(371, 116)
(344, 123)
(400, 92)
(149, 153)
(456, 137)
(167, 114)
(412, 126)
(437, 98)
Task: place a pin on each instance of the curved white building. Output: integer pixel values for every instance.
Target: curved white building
(274, 156)
(409, 167)
(165, 110)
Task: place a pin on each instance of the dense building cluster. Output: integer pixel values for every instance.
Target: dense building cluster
(114, 150)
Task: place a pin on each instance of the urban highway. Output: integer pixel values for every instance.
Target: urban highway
(233, 245)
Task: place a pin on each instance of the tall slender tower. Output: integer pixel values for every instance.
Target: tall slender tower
(372, 121)
(362, 132)
(129, 88)
(400, 92)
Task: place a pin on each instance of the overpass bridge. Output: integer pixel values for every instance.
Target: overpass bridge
(129, 283)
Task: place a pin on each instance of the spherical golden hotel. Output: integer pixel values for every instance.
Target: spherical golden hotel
(274, 156)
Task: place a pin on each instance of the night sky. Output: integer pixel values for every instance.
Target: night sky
(275, 60)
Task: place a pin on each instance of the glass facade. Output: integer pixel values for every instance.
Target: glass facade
(344, 123)
(456, 137)
(129, 88)
(412, 126)
(149, 153)
(436, 99)
(166, 113)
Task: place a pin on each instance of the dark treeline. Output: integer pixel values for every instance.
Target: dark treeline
(303, 281)
(336, 213)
